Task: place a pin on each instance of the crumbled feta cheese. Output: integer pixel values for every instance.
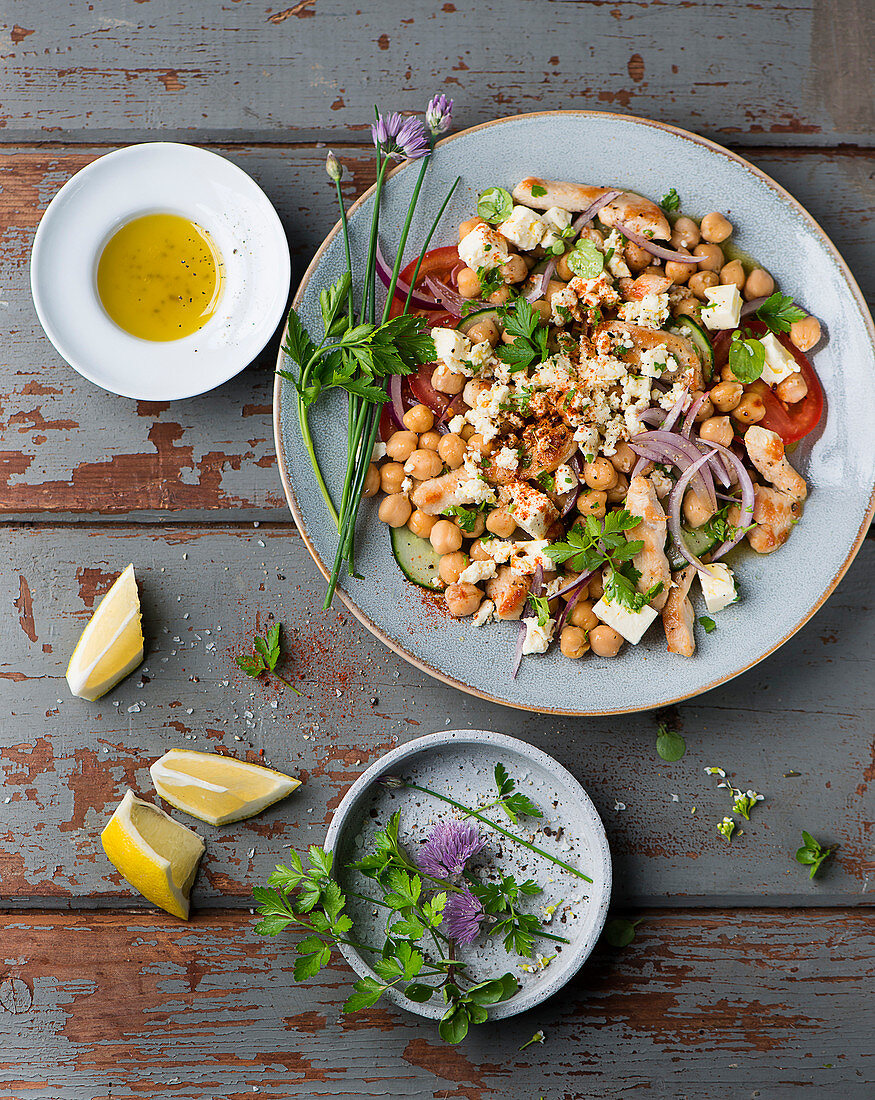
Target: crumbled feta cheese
(554, 220)
(662, 483)
(538, 637)
(588, 441)
(498, 549)
(487, 410)
(527, 556)
(507, 459)
(407, 485)
(378, 452)
(655, 361)
(475, 491)
(566, 479)
(480, 355)
(718, 588)
(452, 348)
(651, 311)
(724, 306)
(630, 624)
(484, 613)
(779, 363)
(483, 247)
(477, 571)
(668, 400)
(457, 423)
(616, 264)
(523, 228)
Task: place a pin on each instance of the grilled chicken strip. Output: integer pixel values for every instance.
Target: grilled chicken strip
(774, 514)
(678, 616)
(638, 213)
(766, 450)
(440, 493)
(546, 445)
(646, 339)
(651, 562)
(508, 591)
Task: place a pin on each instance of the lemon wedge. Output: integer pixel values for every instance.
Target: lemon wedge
(157, 855)
(217, 789)
(111, 645)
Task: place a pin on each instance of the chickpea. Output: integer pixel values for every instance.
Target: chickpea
(605, 641)
(792, 389)
(448, 381)
(715, 228)
(391, 476)
(567, 580)
(468, 283)
(706, 409)
(500, 523)
(689, 307)
(445, 537)
(696, 510)
(452, 450)
(590, 233)
(473, 389)
(401, 445)
(618, 491)
(581, 615)
(484, 330)
(418, 419)
(477, 529)
(636, 257)
(805, 333)
(726, 395)
(542, 307)
(599, 474)
(429, 441)
(500, 297)
(750, 409)
(467, 432)
(573, 642)
(596, 588)
(733, 272)
(701, 281)
(685, 234)
(593, 502)
(679, 272)
(478, 552)
(463, 599)
(451, 565)
(759, 284)
(712, 258)
(716, 429)
(653, 268)
(481, 445)
(727, 374)
(467, 226)
(421, 523)
(395, 509)
(624, 459)
(563, 270)
(372, 481)
(514, 269)
(423, 465)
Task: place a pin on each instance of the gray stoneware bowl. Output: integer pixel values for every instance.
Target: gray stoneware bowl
(779, 593)
(460, 763)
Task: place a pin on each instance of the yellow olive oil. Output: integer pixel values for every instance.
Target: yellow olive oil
(160, 277)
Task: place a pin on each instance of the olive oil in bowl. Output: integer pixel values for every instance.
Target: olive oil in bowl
(159, 277)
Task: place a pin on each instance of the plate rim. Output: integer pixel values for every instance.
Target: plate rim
(141, 148)
(378, 631)
(444, 738)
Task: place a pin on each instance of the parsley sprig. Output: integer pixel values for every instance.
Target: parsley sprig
(671, 201)
(779, 312)
(265, 656)
(812, 854)
(525, 323)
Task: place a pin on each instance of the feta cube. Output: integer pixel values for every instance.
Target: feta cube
(523, 228)
(554, 221)
(538, 637)
(484, 613)
(378, 452)
(616, 264)
(630, 624)
(566, 479)
(718, 588)
(651, 311)
(779, 363)
(483, 248)
(588, 441)
(477, 571)
(724, 307)
(452, 348)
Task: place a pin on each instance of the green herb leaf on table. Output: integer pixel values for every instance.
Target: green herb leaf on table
(671, 201)
(669, 744)
(812, 853)
(265, 657)
(779, 312)
(620, 932)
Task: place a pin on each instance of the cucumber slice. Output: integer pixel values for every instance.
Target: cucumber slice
(476, 317)
(697, 541)
(417, 558)
(701, 342)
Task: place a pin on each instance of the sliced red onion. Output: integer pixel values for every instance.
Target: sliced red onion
(653, 416)
(675, 413)
(657, 249)
(567, 502)
(587, 215)
(576, 464)
(574, 590)
(751, 307)
(640, 466)
(384, 270)
(451, 299)
(691, 416)
(539, 286)
(674, 510)
(448, 414)
(397, 401)
(664, 446)
(747, 499)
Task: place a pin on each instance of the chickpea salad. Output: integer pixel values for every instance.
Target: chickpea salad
(605, 419)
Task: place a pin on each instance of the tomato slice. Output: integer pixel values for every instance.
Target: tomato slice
(437, 263)
(790, 422)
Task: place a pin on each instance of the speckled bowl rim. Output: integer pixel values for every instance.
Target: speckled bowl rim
(534, 995)
(436, 673)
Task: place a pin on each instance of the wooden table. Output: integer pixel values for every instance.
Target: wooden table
(745, 978)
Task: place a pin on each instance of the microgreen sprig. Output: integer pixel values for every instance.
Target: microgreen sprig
(265, 656)
(812, 854)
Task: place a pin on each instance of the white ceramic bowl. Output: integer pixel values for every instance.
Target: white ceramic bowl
(460, 763)
(160, 177)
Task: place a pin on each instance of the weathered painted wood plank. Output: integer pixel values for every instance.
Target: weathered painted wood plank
(798, 728)
(797, 72)
(68, 447)
(705, 1004)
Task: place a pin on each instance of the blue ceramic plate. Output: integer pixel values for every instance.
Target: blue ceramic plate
(779, 592)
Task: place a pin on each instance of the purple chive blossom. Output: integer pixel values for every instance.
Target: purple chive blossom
(463, 915)
(439, 114)
(449, 847)
(400, 137)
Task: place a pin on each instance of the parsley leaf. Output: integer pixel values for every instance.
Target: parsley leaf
(495, 205)
(465, 517)
(521, 321)
(265, 657)
(542, 608)
(779, 312)
(707, 622)
(746, 358)
(671, 201)
(538, 192)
